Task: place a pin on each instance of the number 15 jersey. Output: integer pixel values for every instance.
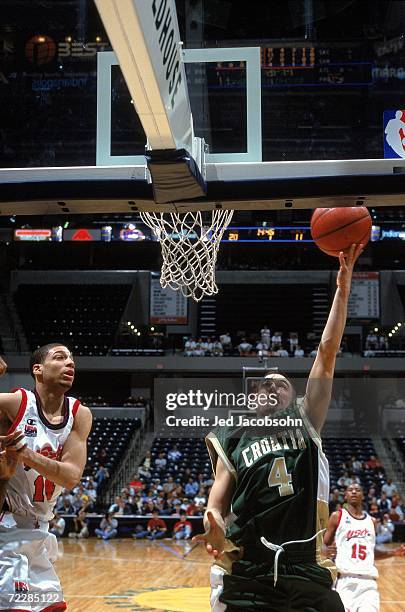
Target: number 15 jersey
(29, 493)
(355, 542)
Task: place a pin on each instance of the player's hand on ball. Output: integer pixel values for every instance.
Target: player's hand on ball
(3, 366)
(214, 537)
(344, 277)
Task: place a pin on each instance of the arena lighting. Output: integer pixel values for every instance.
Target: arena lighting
(152, 329)
(98, 38)
(129, 323)
(68, 39)
(132, 326)
(41, 39)
(389, 335)
(376, 329)
(138, 334)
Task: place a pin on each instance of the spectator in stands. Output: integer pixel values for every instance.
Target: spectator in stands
(356, 466)
(57, 525)
(174, 454)
(135, 484)
(276, 340)
(298, 352)
(170, 485)
(383, 342)
(218, 350)
(101, 475)
(396, 512)
(183, 528)
(147, 461)
(60, 504)
(144, 473)
(67, 507)
(201, 497)
(279, 351)
(314, 351)
(389, 488)
(371, 497)
(373, 463)
(344, 481)
(262, 349)
(374, 510)
(200, 509)
(80, 500)
(108, 527)
(385, 529)
(189, 347)
(384, 504)
(80, 525)
(226, 342)
(371, 341)
(244, 348)
(161, 462)
(265, 335)
(120, 507)
(155, 529)
(191, 488)
(335, 498)
(293, 342)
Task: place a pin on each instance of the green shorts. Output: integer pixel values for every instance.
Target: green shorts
(301, 587)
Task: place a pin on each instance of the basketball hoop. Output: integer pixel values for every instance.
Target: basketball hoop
(189, 249)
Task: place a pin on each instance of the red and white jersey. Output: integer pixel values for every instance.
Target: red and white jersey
(29, 493)
(355, 542)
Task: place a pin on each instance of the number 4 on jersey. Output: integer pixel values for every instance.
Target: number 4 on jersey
(43, 489)
(279, 477)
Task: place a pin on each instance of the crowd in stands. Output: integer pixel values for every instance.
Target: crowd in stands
(265, 344)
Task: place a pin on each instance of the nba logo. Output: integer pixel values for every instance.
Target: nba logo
(394, 134)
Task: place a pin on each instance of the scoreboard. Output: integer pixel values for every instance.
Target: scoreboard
(298, 66)
(276, 234)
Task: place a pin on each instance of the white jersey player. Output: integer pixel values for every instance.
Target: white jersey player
(46, 437)
(353, 532)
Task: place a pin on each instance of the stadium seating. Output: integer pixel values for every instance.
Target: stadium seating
(85, 317)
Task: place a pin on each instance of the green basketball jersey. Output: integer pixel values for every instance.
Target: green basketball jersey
(281, 485)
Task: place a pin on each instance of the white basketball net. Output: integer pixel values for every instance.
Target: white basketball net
(189, 249)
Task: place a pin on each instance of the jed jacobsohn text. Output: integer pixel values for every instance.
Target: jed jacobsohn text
(205, 401)
(234, 420)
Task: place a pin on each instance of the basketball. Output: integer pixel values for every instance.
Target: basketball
(336, 229)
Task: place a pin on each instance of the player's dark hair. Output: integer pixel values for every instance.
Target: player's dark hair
(39, 355)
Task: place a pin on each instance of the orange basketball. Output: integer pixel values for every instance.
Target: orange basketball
(336, 229)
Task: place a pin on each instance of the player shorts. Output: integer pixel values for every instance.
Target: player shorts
(28, 580)
(358, 594)
(304, 587)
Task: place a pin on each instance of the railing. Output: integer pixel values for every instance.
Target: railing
(126, 468)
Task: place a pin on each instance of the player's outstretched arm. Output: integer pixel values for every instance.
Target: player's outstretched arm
(329, 547)
(319, 386)
(218, 506)
(68, 471)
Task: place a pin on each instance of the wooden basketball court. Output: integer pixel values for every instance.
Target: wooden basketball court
(153, 576)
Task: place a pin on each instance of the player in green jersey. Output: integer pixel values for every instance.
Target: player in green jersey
(268, 506)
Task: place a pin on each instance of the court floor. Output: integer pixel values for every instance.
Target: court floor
(153, 576)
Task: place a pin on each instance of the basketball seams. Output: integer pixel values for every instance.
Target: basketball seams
(337, 229)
